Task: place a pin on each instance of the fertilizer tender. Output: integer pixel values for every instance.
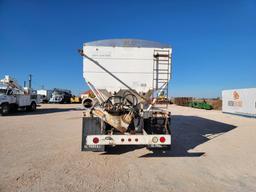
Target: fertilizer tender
(126, 76)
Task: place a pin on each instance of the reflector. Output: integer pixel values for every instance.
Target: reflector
(154, 139)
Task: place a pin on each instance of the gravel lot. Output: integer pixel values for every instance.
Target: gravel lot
(211, 152)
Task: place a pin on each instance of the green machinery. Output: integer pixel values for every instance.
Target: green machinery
(200, 105)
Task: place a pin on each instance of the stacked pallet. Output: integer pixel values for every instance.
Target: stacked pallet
(183, 101)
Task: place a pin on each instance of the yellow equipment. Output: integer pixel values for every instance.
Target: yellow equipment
(75, 99)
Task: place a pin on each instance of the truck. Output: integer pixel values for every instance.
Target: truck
(75, 99)
(60, 96)
(14, 97)
(126, 76)
(44, 95)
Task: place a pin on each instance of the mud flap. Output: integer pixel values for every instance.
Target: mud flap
(91, 126)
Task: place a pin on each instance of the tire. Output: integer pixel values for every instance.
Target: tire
(32, 106)
(5, 109)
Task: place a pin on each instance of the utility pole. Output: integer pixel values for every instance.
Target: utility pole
(30, 81)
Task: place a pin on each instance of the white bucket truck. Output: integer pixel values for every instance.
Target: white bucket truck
(13, 96)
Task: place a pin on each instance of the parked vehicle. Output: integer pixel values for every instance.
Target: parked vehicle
(60, 96)
(14, 97)
(75, 99)
(200, 105)
(120, 74)
(44, 95)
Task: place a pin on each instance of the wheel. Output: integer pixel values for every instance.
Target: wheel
(5, 109)
(32, 107)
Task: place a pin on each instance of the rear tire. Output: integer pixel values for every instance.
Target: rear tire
(32, 106)
(5, 109)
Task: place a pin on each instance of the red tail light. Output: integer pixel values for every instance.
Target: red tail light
(95, 140)
(162, 139)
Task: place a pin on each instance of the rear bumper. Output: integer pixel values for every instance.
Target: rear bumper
(128, 140)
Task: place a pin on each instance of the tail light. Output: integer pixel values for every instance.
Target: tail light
(162, 139)
(95, 140)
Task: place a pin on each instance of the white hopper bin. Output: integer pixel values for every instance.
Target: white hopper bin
(131, 60)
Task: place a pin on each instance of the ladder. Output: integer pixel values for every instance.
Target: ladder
(161, 73)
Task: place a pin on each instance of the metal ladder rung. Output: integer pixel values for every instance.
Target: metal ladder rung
(161, 60)
(160, 55)
(161, 70)
(161, 79)
(164, 73)
(163, 63)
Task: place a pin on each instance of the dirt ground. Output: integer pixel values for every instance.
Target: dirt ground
(211, 151)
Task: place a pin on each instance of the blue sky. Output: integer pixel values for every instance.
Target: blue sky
(214, 42)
